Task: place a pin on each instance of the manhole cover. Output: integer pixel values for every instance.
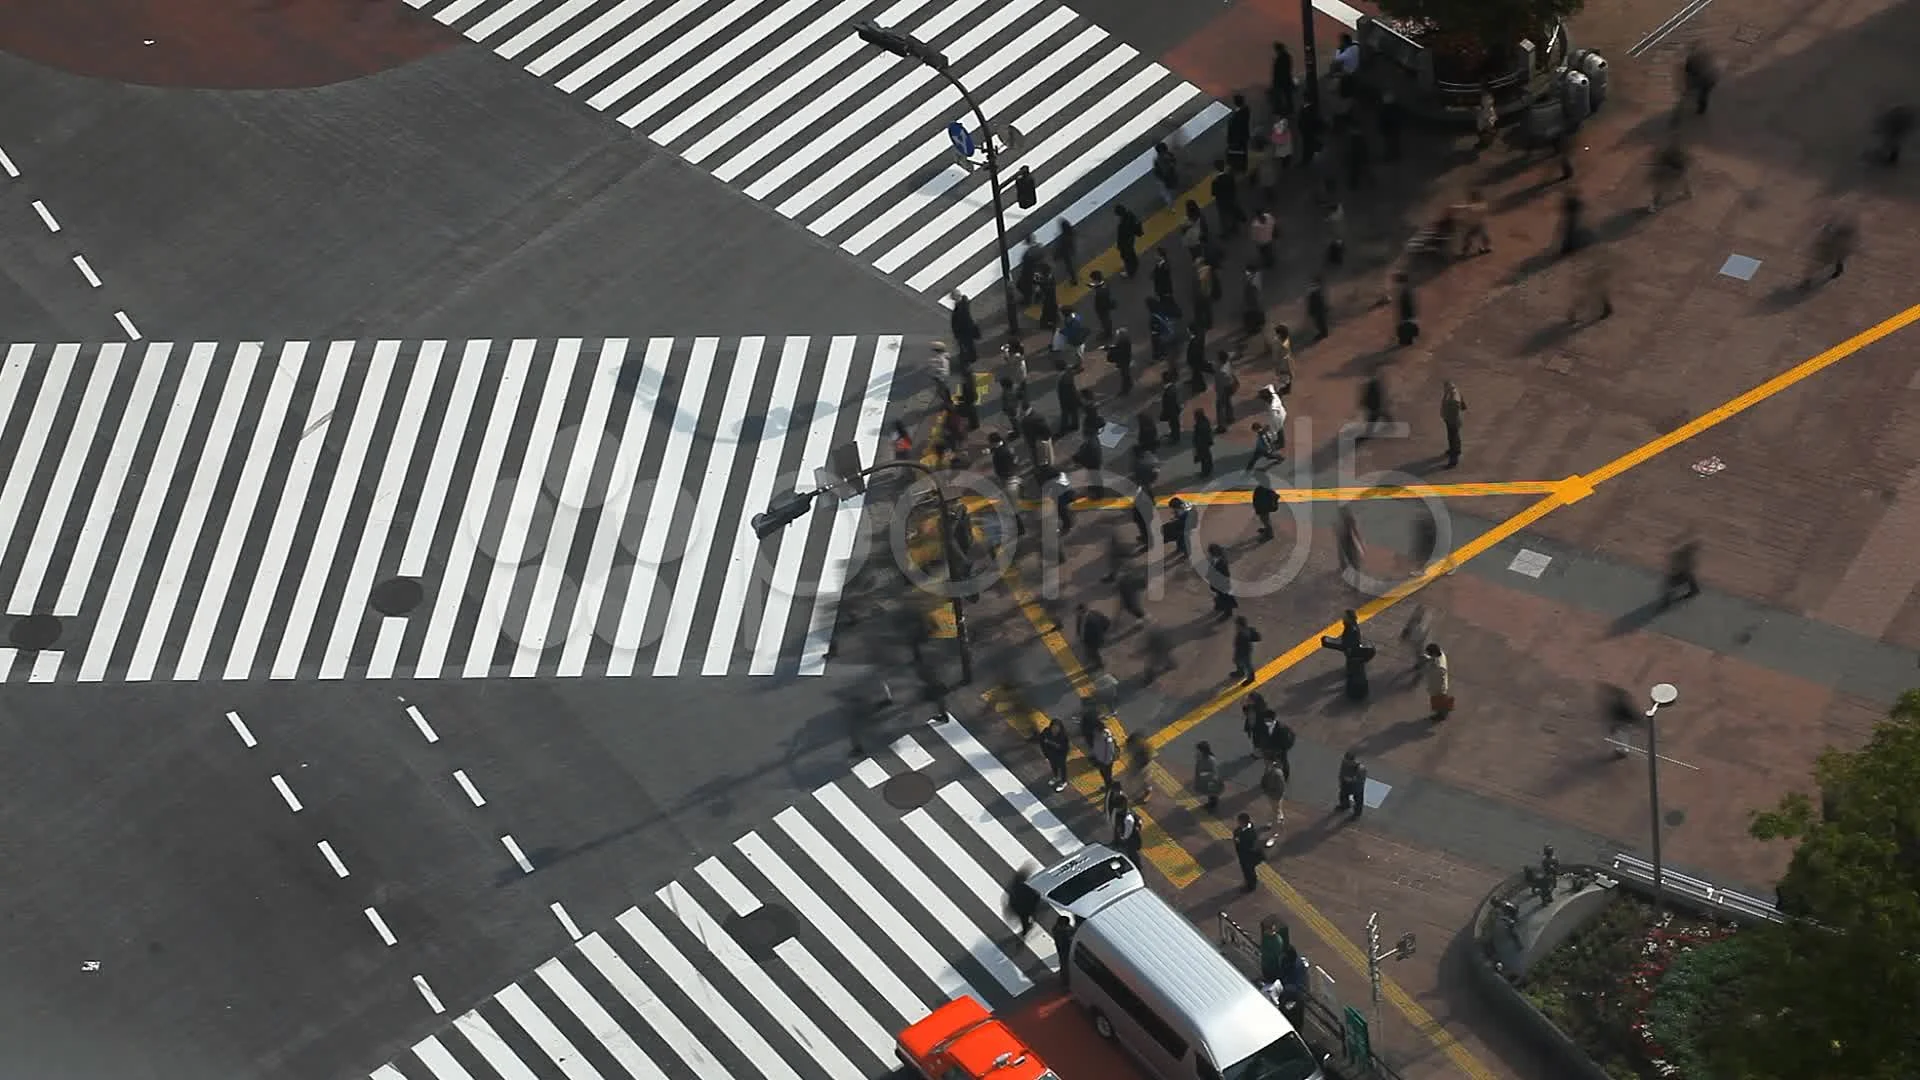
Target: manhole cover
(397, 596)
(35, 632)
(759, 931)
(908, 791)
(1676, 817)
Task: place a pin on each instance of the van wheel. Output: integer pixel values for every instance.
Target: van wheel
(1102, 1026)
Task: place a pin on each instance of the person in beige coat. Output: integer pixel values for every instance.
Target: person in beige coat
(1439, 683)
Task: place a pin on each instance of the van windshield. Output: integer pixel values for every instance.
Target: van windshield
(1285, 1058)
(1092, 879)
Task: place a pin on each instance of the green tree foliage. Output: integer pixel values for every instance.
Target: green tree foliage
(1837, 992)
(1496, 24)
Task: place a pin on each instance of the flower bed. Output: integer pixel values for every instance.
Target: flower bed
(1639, 990)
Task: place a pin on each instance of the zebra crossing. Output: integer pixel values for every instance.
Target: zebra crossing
(779, 99)
(427, 509)
(798, 952)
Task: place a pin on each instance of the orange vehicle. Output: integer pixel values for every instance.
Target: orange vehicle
(961, 1040)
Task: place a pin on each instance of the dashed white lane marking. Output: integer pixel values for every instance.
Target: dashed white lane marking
(513, 849)
(53, 226)
(280, 785)
(240, 726)
(7, 164)
(46, 215)
(420, 721)
(466, 785)
(127, 325)
(86, 270)
(420, 981)
(380, 927)
(566, 921)
(333, 860)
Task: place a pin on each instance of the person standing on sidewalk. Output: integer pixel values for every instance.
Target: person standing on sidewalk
(1170, 408)
(1239, 133)
(1225, 385)
(1700, 76)
(1226, 198)
(1120, 355)
(1273, 784)
(1055, 747)
(1203, 444)
(1452, 407)
(1280, 81)
(1162, 275)
(1067, 393)
(1266, 503)
(1220, 580)
(1206, 776)
(1439, 680)
(966, 332)
(1127, 234)
(1247, 850)
(1103, 305)
(1102, 751)
(1245, 637)
(1353, 785)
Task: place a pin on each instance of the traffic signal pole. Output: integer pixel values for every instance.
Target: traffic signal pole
(900, 43)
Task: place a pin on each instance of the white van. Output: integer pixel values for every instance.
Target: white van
(1154, 984)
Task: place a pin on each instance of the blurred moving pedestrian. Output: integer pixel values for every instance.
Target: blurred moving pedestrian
(1439, 679)
(1890, 129)
(1486, 120)
(1700, 75)
(1418, 633)
(1101, 295)
(1206, 776)
(1247, 851)
(1426, 541)
(1373, 403)
(1262, 230)
(1573, 228)
(1352, 546)
(1023, 900)
(1832, 246)
(1273, 785)
(1178, 529)
(1126, 832)
(1245, 637)
(1406, 310)
(1055, 747)
(1257, 720)
(1166, 173)
(1140, 764)
(1226, 198)
(1092, 625)
(1220, 580)
(1682, 580)
(1617, 708)
(1159, 650)
(1317, 311)
(1452, 408)
(1066, 248)
(1352, 785)
(1470, 216)
(1593, 296)
(1669, 175)
(1103, 752)
(966, 332)
(1266, 446)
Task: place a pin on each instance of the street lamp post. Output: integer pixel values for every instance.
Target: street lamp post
(790, 508)
(1663, 694)
(900, 43)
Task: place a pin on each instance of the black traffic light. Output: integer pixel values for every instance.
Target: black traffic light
(785, 510)
(1023, 192)
(899, 44)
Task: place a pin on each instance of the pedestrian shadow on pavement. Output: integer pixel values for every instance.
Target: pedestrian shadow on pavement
(1637, 619)
(1551, 334)
(1303, 839)
(1400, 733)
(1782, 298)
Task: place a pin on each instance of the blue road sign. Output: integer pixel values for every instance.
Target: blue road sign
(962, 138)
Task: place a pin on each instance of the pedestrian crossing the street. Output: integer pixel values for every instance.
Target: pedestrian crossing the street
(780, 99)
(427, 509)
(795, 954)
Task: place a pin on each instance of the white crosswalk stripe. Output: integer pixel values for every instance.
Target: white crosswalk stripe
(432, 509)
(789, 955)
(780, 99)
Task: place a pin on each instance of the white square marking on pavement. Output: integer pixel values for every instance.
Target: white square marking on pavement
(1529, 562)
(1111, 435)
(1742, 267)
(1376, 793)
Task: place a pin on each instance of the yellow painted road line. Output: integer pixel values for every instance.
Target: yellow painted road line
(1273, 668)
(1786, 379)
(1156, 846)
(1154, 228)
(1355, 958)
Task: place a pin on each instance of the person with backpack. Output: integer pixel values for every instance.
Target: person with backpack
(1126, 831)
(1266, 503)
